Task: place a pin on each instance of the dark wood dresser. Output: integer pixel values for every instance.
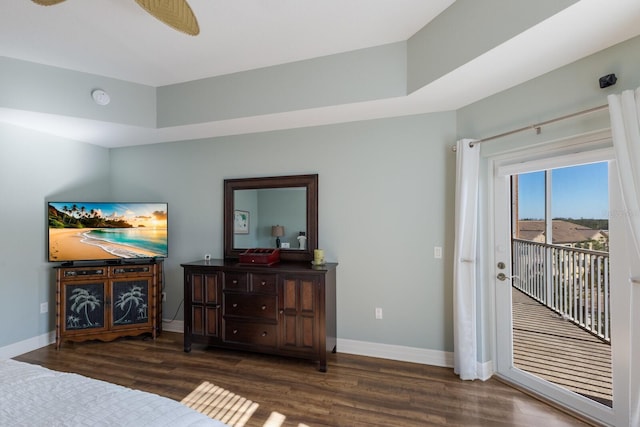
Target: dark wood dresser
(288, 308)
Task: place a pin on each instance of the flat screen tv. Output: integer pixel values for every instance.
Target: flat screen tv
(96, 231)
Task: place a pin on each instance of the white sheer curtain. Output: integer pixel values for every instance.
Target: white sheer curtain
(465, 342)
(624, 110)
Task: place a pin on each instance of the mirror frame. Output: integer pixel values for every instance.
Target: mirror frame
(309, 182)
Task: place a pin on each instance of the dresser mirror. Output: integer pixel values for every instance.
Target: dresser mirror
(280, 211)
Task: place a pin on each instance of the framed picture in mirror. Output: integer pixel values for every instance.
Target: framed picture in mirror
(240, 222)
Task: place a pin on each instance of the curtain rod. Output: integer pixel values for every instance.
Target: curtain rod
(537, 126)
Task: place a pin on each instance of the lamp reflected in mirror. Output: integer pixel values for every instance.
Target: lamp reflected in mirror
(277, 231)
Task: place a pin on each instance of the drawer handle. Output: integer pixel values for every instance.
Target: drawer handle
(235, 331)
(234, 305)
(234, 281)
(281, 311)
(264, 307)
(264, 282)
(264, 334)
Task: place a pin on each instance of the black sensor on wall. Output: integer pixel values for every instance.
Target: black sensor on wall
(608, 80)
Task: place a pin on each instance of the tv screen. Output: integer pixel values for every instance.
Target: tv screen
(91, 231)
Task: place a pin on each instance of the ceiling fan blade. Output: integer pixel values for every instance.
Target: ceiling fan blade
(175, 13)
(47, 2)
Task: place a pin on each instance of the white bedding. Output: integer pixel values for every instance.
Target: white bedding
(31, 395)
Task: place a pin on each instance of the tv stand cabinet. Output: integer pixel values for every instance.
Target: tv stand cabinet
(105, 301)
(288, 308)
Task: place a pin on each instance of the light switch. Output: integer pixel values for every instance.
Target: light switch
(437, 252)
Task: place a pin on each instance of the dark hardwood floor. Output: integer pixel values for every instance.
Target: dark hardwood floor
(274, 391)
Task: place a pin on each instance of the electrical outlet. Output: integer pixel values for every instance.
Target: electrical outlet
(44, 307)
(164, 296)
(378, 313)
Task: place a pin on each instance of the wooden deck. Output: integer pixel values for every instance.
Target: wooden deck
(546, 345)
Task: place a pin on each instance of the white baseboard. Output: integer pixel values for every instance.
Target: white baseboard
(396, 352)
(362, 348)
(173, 325)
(27, 345)
(16, 349)
(409, 354)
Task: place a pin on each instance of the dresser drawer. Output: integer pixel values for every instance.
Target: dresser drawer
(251, 333)
(235, 281)
(250, 305)
(264, 283)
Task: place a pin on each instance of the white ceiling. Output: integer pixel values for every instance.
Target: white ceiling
(104, 37)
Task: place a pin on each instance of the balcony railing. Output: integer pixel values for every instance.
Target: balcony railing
(572, 282)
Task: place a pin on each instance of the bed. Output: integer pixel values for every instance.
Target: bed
(31, 395)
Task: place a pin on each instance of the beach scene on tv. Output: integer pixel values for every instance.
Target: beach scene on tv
(102, 231)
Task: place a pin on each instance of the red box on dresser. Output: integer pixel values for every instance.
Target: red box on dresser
(260, 256)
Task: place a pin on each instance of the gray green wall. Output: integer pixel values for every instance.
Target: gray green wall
(467, 29)
(35, 168)
(385, 199)
(386, 194)
(35, 87)
(362, 75)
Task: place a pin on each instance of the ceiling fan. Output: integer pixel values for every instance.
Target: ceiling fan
(175, 13)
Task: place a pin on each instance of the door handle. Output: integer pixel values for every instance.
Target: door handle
(502, 277)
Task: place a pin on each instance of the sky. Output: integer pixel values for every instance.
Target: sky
(577, 192)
